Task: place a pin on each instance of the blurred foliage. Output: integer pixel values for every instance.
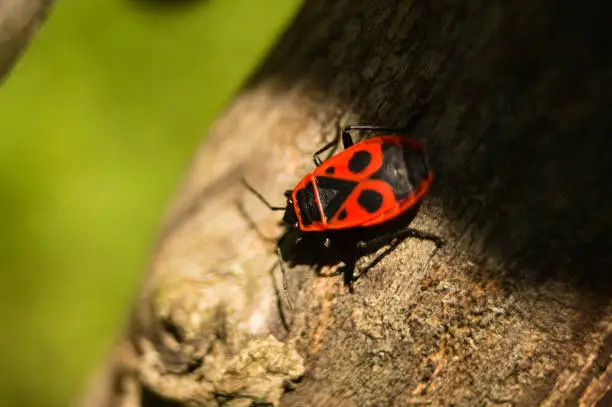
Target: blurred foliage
(97, 123)
(167, 5)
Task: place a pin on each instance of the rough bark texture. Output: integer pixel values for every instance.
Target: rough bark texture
(514, 310)
(19, 21)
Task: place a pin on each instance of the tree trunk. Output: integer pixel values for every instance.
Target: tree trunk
(19, 21)
(514, 103)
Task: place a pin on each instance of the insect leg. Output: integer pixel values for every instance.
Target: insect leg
(405, 232)
(252, 224)
(392, 246)
(344, 134)
(261, 197)
(347, 140)
(394, 239)
(334, 143)
(372, 129)
(382, 129)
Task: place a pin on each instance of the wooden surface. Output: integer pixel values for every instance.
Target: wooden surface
(513, 310)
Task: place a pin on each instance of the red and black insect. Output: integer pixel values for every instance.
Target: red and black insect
(367, 184)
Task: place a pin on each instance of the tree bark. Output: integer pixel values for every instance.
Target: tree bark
(19, 21)
(514, 309)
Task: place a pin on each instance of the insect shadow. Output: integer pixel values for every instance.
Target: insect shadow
(342, 247)
(348, 246)
(396, 163)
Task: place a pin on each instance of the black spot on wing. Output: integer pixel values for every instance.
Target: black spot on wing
(359, 161)
(332, 194)
(342, 215)
(370, 200)
(308, 206)
(330, 170)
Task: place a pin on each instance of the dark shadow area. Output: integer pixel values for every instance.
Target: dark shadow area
(343, 247)
(150, 399)
(518, 99)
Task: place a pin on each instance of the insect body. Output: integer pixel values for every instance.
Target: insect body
(367, 184)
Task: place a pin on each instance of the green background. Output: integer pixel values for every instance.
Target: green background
(98, 121)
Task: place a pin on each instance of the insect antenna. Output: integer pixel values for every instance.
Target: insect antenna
(261, 197)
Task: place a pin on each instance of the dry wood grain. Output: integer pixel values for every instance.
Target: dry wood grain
(514, 310)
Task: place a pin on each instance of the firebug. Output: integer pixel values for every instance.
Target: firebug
(367, 184)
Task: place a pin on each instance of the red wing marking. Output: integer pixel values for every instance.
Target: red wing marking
(351, 192)
(356, 163)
